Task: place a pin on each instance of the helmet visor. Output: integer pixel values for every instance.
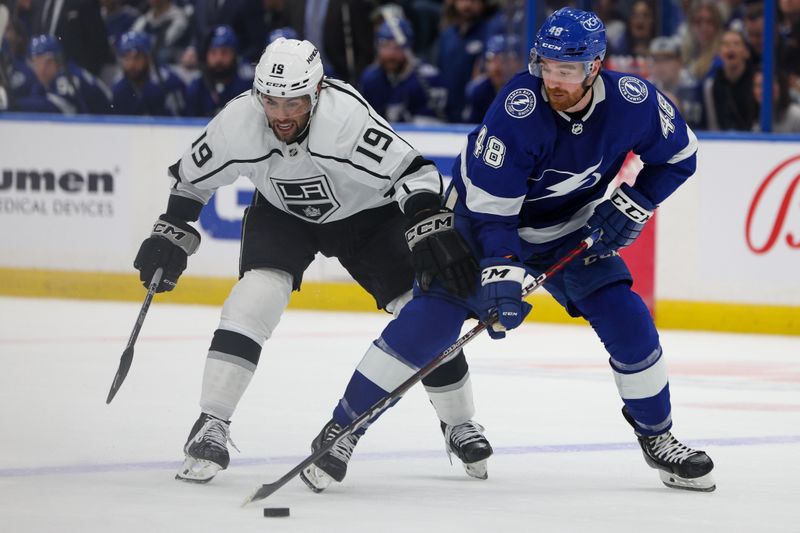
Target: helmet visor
(573, 72)
(285, 108)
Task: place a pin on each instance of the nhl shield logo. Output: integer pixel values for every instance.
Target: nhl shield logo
(577, 128)
(632, 89)
(311, 198)
(520, 103)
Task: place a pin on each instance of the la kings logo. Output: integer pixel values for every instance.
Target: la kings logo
(311, 198)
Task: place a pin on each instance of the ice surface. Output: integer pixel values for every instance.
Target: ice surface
(565, 460)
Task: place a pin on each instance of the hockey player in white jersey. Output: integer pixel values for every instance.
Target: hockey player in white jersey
(332, 177)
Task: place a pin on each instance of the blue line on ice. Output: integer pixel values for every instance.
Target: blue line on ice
(409, 454)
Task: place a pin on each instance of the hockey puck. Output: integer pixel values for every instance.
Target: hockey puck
(273, 512)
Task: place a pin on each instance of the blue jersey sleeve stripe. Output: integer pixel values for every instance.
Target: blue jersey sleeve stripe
(480, 201)
(691, 148)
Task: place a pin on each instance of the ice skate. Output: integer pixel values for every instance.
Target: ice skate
(333, 465)
(467, 442)
(679, 466)
(206, 450)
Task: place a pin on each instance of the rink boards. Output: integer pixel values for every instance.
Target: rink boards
(77, 196)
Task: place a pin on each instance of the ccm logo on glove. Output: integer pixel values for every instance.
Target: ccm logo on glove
(629, 208)
(434, 224)
(497, 274)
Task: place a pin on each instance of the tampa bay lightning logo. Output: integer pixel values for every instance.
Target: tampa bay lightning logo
(520, 103)
(633, 89)
(591, 24)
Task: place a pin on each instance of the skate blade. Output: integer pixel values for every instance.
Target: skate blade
(316, 479)
(700, 484)
(197, 470)
(478, 469)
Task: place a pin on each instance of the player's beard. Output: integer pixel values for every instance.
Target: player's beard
(290, 134)
(561, 99)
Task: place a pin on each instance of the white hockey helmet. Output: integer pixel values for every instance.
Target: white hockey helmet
(289, 68)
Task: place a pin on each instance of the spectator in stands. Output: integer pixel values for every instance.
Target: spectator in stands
(246, 17)
(58, 86)
(399, 86)
(119, 17)
(671, 78)
(340, 29)
(639, 31)
(461, 45)
(728, 95)
(19, 77)
(608, 11)
(701, 41)
(790, 33)
(785, 114)
(502, 61)
(146, 87)
(220, 81)
(286, 32)
(168, 27)
(79, 28)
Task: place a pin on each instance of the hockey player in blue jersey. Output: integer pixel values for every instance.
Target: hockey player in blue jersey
(399, 86)
(531, 181)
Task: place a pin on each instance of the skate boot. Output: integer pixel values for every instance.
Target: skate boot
(467, 442)
(333, 465)
(206, 450)
(679, 466)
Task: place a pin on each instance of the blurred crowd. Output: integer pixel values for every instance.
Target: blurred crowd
(419, 61)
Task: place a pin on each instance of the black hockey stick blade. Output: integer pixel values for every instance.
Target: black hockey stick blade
(268, 489)
(127, 355)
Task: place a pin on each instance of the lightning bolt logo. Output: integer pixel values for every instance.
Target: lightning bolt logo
(566, 182)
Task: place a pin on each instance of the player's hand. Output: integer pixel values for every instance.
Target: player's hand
(621, 219)
(170, 243)
(438, 251)
(501, 293)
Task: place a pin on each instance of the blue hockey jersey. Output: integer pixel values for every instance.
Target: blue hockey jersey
(416, 95)
(529, 176)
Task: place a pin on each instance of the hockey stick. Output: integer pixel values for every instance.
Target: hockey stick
(267, 489)
(127, 356)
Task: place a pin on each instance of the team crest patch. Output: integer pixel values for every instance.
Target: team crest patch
(633, 89)
(591, 24)
(520, 103)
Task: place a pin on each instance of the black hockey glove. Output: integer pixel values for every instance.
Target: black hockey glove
(439, 251)
(621, 218)
(168, 246)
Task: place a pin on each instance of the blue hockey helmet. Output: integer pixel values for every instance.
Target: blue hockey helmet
(286, 32)
(396, 29)
(44, 44)
(569, 35)
(223, 37)
(502, 44)
(134, 41)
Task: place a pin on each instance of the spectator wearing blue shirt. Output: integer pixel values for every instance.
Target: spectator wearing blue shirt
(145, 88)
(502, 61)
(57, 86)
(399, 86)
(220, 81)
(119, 18)
(461, 45)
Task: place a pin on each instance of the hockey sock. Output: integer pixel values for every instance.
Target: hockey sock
(450, 390)
(622, 321)
(230, 364)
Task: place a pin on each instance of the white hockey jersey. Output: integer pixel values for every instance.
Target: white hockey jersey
(348, 160)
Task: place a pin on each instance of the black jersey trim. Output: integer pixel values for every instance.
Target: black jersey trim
(382, 122)
(232, 161)
(348, 162)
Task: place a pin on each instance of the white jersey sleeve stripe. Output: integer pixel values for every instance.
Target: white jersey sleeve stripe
(691, 148)
(480, 201)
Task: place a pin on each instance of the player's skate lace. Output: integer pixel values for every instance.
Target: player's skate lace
(215, 433)
(668, 448)
(343, 449)
(464, 434)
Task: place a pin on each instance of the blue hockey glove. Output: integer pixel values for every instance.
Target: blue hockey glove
(621, 219)
(439, 251)
(169, 244)
(501, 291)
